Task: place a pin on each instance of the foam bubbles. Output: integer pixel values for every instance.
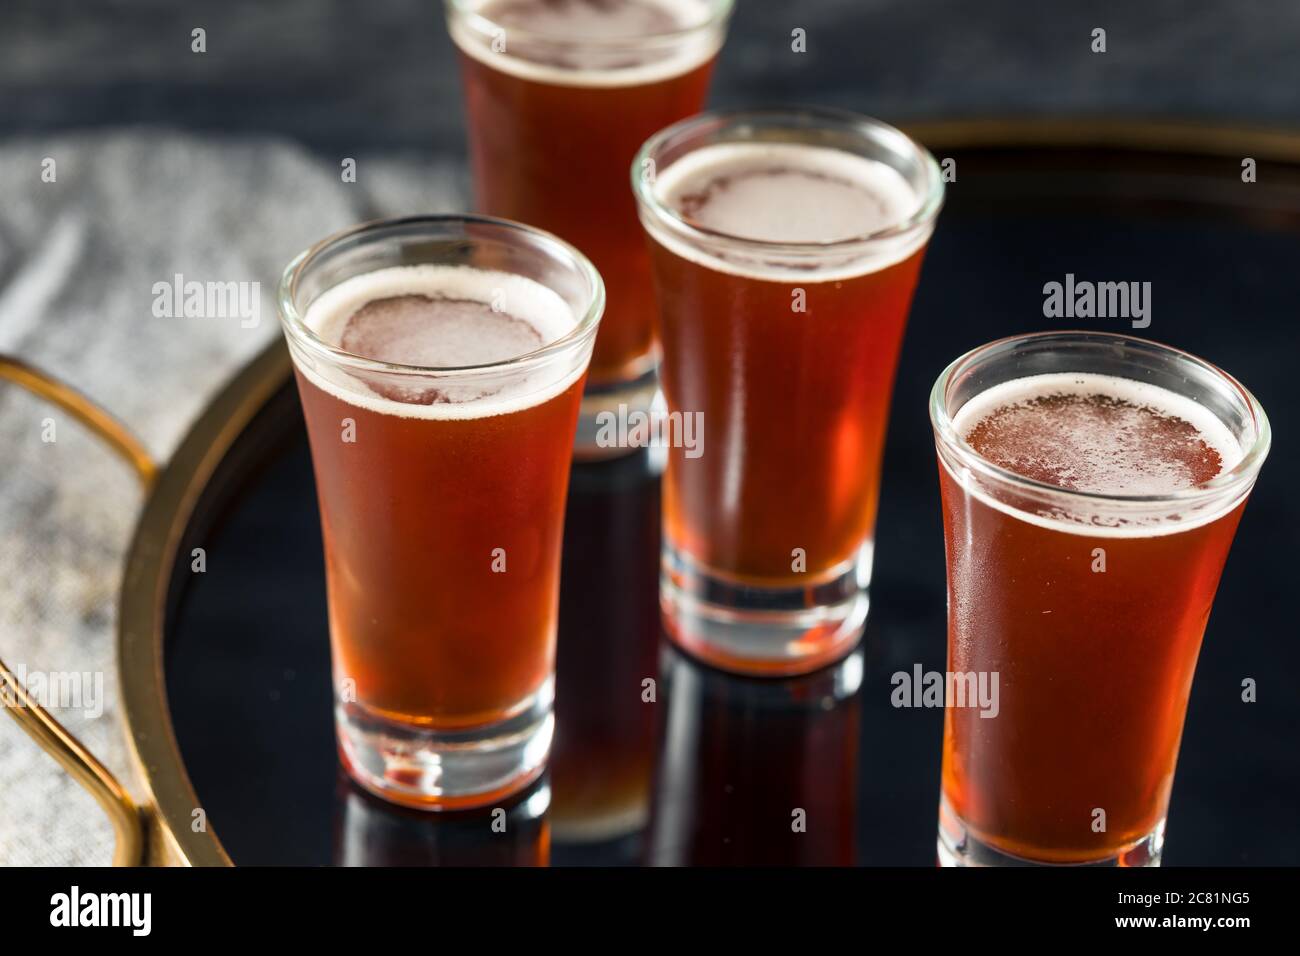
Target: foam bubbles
(441, 317)
(789, 193)
(437, 332)
(588, 19)
(1099, 434)
(567, 42)
(783, 192)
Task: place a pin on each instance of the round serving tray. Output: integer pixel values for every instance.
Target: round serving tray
(225, 673)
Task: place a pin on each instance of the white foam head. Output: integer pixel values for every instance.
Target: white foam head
(1120, 458)
(664, 39)
(534, 316)
(788, 193)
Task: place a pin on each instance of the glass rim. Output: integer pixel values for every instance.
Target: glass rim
(292, 319)
(718, 12)
(1237, 478)
(924, 215)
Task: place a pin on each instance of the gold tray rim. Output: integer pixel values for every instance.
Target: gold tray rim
(171, 835)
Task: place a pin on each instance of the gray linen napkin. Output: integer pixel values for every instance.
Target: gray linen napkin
(79, 260)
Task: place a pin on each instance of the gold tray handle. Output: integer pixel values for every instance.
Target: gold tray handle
(52, 737)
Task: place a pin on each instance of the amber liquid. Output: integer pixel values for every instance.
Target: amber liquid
(422, 620)
(740, 758)
(1094, 675)
(559, 157)
(795, 409)
(604, 750)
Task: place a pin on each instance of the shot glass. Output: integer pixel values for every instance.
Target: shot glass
(558, 98)
(441, 469)
(786, 246)
(1091, 487)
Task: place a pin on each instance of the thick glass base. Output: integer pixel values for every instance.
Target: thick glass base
(760, 631)
(418, 766)
(613, 413)
(959, 847)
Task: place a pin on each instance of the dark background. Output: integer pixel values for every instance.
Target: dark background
(346, 77)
